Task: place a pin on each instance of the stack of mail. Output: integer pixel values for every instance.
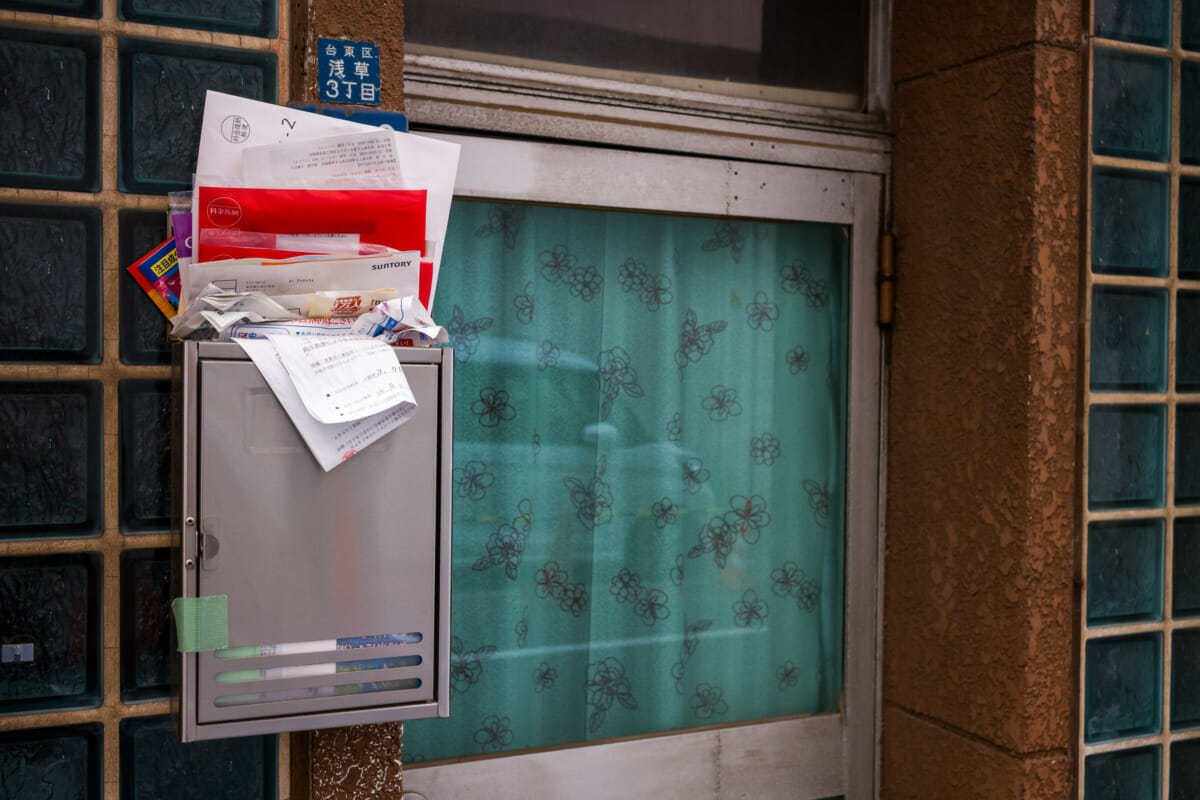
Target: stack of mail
(315, 244)
(301, 216)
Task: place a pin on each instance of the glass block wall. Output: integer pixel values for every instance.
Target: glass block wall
(100, 108)
(1140, 729)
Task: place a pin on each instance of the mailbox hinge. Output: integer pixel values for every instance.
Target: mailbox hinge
(886, 280)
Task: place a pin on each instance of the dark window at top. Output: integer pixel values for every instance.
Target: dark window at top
(800, 44)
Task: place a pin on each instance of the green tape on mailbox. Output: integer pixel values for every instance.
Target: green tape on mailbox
(201, 623)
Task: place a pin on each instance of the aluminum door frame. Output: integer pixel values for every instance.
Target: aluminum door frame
(797, 758)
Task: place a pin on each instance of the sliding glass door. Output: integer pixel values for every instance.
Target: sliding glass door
(666, 453)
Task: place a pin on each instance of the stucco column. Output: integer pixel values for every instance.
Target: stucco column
(979, 680)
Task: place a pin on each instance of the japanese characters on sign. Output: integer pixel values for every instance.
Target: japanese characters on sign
(348, 72)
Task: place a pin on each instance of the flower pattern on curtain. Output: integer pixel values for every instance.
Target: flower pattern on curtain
(648, 474)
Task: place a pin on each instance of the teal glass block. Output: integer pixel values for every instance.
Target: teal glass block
(162, 86)
(1123, 775)
(63, 762)
(1189, 29)
(1189, 112)
(1130, 213)
(1187, 454)
(250, 18)
(50, 114)
(52, 603)
(1185, 679)
(1126, 456)
(146, 647)
(1129, 339)
(1131, 105)
(1185, 770)
(1141, 21)
(51, 272)
(1189, 228)
(1125, 571)
(145, 436)
(1187, 342)
(51, 459)
(1185, 580)
(69, 8)
(143, 327)
(154, 764)
(1122, 687)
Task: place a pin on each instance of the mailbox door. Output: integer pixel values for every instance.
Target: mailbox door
(330, 577)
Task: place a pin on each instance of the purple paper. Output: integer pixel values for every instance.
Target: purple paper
(182, 225)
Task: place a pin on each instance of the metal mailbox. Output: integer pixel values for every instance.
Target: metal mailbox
(338, 583)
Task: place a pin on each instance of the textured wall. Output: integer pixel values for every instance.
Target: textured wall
(978, 670)
(379, 21)
(361, 763)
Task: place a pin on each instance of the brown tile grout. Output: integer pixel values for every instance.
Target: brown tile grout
(1172, 404)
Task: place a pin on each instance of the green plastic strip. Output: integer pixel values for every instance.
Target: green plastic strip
(246, 651)
(240, 676)
(201, 623)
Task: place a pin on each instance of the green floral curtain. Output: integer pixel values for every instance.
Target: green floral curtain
(648, 468)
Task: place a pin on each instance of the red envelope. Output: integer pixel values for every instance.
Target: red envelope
(391, 217)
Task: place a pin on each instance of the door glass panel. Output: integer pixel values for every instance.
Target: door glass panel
(649, 474)
(735, 48)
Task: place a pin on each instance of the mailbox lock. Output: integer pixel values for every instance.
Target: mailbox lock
(190, 563)
(190, 521)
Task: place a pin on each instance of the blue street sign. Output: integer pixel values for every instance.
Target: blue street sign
(348, 72)
(365, 116)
